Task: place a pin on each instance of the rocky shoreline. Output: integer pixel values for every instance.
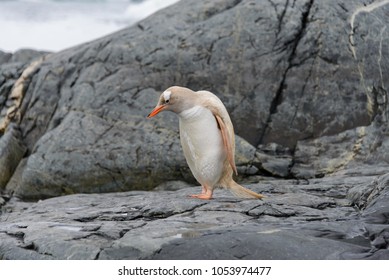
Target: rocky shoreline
(84, 175)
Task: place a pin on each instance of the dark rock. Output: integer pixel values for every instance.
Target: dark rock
(275, 160)
(9, 73)
(26, 55)
(314, 220)
(253, 244)
(172, 186)
(304, 82)
(4, 57)
(12, 151)
(84, 110)
(23, 56)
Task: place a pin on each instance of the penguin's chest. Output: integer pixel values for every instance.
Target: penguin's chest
(202, 144)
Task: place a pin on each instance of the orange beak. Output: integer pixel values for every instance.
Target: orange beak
(156, 110)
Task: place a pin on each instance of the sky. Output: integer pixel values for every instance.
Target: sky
(53, 25)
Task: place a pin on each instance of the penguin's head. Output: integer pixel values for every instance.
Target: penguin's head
(175, 99)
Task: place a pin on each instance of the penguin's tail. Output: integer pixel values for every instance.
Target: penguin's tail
(242, 192)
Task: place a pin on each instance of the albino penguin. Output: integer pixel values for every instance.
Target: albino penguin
(207, 139)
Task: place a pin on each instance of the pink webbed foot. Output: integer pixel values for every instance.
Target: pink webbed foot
(205, 194)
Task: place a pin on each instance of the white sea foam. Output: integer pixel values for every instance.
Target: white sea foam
(54, 25)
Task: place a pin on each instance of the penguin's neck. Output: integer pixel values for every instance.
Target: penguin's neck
(199, 124)
(192, 113)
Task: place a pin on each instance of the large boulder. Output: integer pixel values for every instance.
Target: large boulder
(291, 73)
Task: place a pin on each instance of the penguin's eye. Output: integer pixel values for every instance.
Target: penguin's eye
(166, 96)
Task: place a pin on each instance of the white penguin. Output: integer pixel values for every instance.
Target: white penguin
(207, 139)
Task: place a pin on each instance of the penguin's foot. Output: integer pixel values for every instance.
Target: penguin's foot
(202, 196)
(205, 194)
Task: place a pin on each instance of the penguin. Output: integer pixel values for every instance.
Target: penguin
(207, 139)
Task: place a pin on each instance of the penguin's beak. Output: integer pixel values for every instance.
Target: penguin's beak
(156, 110)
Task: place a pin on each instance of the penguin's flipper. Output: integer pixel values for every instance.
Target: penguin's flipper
(226, 142)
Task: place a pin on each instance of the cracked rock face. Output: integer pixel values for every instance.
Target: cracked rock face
(312, 219)
(305, 84)
(306, 77)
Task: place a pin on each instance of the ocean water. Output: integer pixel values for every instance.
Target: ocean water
(53, 25)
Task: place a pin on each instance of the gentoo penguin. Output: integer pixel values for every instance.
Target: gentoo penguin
(207, 139)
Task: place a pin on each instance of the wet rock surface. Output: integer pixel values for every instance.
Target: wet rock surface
(306, 85)
(310, 219)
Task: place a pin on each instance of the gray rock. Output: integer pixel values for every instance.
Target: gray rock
(311, 220)
(26, 55)
(172, 186)
(273, 64)
(9, 73)
(12, 151)
(304, 82)
(253, 244)
(4, 57)
(275, 160)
